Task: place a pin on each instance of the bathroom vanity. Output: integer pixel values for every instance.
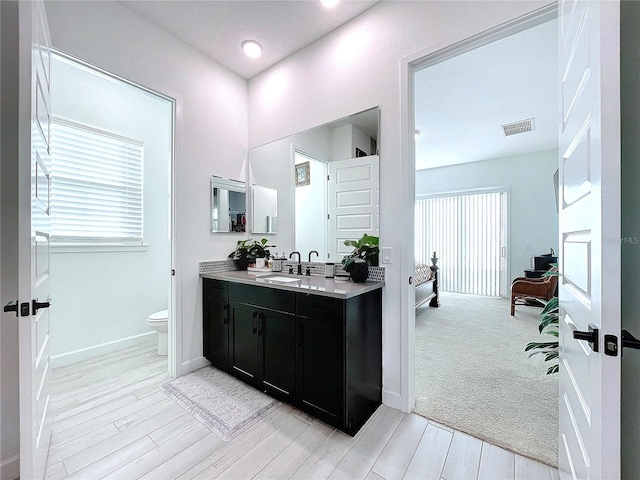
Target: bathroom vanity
(312, 342)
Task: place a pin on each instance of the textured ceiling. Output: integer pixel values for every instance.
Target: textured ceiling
(218, 28)
(461, 103)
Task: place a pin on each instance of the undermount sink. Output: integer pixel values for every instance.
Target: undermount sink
(282, 279)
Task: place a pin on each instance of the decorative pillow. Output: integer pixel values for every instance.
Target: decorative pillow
(423, 274)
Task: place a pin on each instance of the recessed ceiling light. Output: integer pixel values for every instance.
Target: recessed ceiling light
(329, 3)
(252, 48)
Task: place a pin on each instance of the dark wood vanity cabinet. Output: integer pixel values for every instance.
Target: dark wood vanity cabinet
(215, 326)
(262, 339)
(318, 353)
(320, 358)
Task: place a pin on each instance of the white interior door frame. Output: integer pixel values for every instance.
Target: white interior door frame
(409, 65)
(174, 333)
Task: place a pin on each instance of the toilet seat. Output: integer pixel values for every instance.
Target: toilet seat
(159, 317)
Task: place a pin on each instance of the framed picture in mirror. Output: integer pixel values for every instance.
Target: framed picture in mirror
(361, 153)
(303, 174)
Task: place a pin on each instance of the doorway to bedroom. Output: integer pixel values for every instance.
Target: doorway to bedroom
(486, 150)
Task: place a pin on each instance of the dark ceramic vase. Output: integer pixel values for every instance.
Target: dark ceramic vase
(359, 272)
(241, 263)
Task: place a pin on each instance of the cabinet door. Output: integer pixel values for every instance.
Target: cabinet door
(216, 331)
(277, 354)
(243, 351)
(320, 369)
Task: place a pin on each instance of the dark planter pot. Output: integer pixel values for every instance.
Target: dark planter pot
(359, 272)
(242, 263)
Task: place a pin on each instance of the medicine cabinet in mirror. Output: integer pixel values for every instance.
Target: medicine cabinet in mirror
(326, 183)
(228, 205)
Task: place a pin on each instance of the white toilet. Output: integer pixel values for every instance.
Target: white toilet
(159, 322)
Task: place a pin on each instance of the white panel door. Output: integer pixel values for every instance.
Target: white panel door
(353, 202)
(34, 229)
(589, 238)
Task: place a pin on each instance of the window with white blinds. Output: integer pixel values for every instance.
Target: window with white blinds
(467, 233)
(96, 185)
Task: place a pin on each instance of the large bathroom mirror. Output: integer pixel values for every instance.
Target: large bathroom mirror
(228, 205)
(264, 216)
(326, 183)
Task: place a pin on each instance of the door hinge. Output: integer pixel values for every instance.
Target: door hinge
(327, 178)
(173, 272)
(328, 216)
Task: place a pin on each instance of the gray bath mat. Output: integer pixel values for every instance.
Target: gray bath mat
(224, 404)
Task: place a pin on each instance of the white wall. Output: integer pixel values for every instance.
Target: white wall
(211, 131)
(532, 216)
(106, 296)
(349, 70)
(311, 212)
(9, 398)
(346, 139)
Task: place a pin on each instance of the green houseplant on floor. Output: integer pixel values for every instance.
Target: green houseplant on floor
(549, 325)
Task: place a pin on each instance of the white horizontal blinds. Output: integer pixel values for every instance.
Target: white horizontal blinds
(466, 232)
(96, 185)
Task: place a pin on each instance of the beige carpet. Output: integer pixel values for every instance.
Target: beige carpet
(473, 375)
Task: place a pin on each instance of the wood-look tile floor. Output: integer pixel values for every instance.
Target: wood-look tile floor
(112, 421)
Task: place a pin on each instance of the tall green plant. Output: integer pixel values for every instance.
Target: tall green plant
(549, 325)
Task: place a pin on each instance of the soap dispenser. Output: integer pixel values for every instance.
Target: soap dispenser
(276, 264)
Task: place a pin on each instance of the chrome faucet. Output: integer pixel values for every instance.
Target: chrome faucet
(299, 261)
(313, 251)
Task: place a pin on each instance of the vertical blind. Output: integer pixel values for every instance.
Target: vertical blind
(467, 232)
(96, 185)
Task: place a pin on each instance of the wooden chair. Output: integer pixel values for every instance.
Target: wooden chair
(523, 289)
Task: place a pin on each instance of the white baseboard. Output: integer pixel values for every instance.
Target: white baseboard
(392, 399)
(68, 358)
(10, 468)
(192, 365)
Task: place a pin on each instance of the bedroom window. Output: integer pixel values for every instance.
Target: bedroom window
(468, 233)
(96, 186)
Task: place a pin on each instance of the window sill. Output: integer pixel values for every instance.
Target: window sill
(95, 248)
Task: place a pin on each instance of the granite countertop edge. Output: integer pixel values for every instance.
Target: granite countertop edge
(313, 284)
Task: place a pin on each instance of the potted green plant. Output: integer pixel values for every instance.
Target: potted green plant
(248, 250)
(259, 249)
(549, 325)
(366, 252)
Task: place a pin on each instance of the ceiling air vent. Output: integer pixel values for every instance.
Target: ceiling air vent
(518, 127)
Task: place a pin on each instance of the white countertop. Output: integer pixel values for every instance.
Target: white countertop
(312, 285)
